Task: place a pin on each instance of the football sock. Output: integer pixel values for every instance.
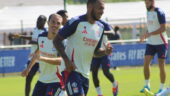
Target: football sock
(114, 84)
(147, 83)
(162, 86)
(98, 90)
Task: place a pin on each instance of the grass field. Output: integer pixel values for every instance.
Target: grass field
(130, 82)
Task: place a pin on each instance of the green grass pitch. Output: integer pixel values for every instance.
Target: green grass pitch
(130, 81)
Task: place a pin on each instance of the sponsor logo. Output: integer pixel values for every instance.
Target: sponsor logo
(89, 41)
(47, 54)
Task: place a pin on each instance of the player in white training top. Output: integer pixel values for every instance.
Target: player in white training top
(157, 42)
(48, 83)
(84, 35)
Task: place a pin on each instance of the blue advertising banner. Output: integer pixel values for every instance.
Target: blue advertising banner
(123, 55)
(13, 60)
(130, 55)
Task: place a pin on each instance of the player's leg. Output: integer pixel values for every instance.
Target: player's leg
(39, 89)
(161, 61)
(105, 67)
(74, 84)
(53, 89)
(149, 53)
(29, 78)
(95, 68)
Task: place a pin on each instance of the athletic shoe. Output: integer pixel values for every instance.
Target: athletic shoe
(115, 90)
(148, 93)
(142, 90)
(159, 91)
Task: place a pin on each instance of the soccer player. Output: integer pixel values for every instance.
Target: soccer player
(64, 15)
(157, 42)
(48, 83)
(105, 62)
(41, 20)
(84, 35)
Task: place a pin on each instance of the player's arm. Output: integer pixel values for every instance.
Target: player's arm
(99, 52)
(32, 63)
(65, 32)
(22, 36)
(52, 61)
(103, 52)
(161, 29)
(60, 48)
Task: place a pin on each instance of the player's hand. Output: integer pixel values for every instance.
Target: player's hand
(70, 66)
(37, 56)
(108, 49)
(25, 72)
(15, 35)
(143, 37)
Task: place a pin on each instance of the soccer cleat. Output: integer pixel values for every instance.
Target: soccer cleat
(159, 91)
(148, 93)
(115, 90)
(142, 90)
(99, 95)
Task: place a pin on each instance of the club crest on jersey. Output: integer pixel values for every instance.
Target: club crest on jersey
(84, 31)
(75, 87)
(42, 44)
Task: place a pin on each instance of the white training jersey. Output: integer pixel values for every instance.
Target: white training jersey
(46, 48)
(34, 36)
(107, 27)
(154, 19)
(82, 40)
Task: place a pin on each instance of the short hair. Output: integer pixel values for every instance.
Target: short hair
(41, 17)
(49, 18)
(116, 28)
(62, 12)
(91, 1)
(41, 20)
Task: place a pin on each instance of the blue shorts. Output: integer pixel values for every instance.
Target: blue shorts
(75, 84)
(160, 50)
(102, 61)
(46, 89)
(34, 69)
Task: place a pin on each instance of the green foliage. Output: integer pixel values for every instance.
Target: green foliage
(84, 1)
(122, 0)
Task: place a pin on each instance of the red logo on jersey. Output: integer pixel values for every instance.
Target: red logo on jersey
(163, 56)
(84, 31)
(42, 44)
(89, 41)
